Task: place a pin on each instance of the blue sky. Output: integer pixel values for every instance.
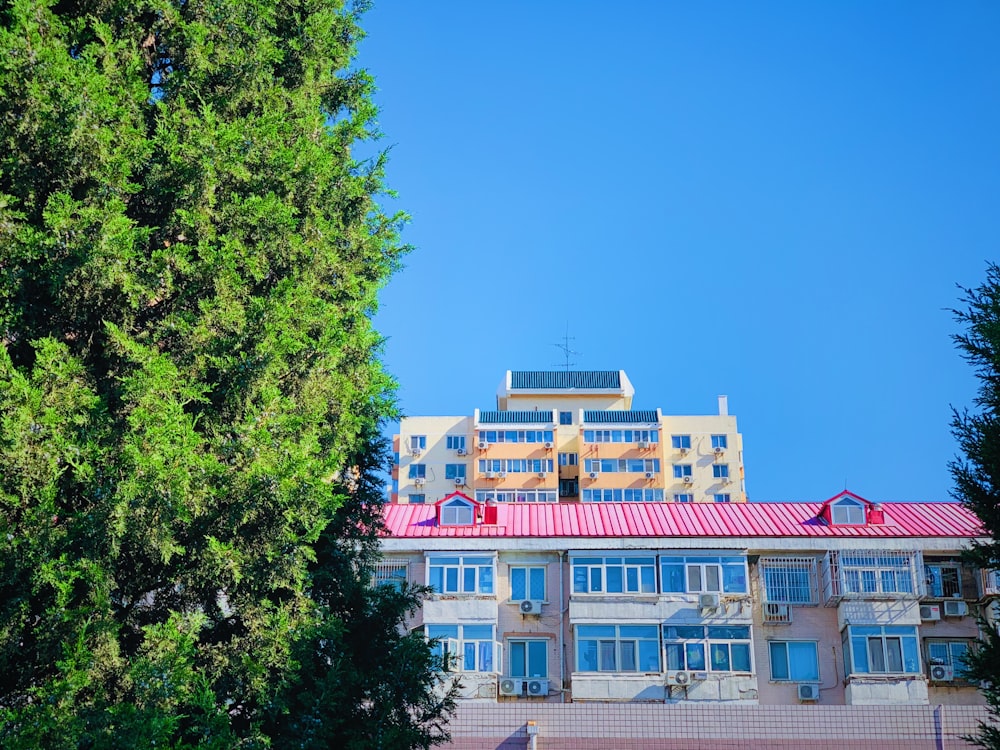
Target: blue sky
(773, 201)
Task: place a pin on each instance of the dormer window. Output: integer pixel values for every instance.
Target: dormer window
(847, 512)
(458, 512)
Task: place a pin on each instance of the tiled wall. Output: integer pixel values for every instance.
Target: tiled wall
(712, 727)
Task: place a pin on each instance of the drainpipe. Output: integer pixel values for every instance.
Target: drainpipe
(562, 631)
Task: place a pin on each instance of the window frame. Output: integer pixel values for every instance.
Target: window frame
(417, 471)
(683, 471)
(529, 587)
(422, 501)
(944, 589)
(792, 677)
(722, 497)
(709, 644)
(484, 574)
(909, 647)
(418, 443)
(592, 566)
(454, 649)
(626, 646)
(455, 442)
(720, 471)
(527, 643)
(455, 471)
(680, 442)
(847, 509)
(948, 642)
(785, 569)
(720, 441)
(731, 573)
(688, 497)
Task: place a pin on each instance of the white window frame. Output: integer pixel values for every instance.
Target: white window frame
(422, 501)
(388, 572)
(458, 512)
(455, 471)
(688, 497)
(735, 563)
(454, 650)
(681, 471)
(722, 497)
(878, 639)
(707, 643)
(598, 563)
(847, 512)
(529, 593)
(455, 442)
(720, 471)
(527, 642)
(622, 495)
(720, 441)
(417, 471)
(771, 645)
(934, 571)
(483, 574)
(680, 442)
(950, 659)
(418, 443)
(620, 643)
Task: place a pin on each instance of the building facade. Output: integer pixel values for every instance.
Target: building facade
(569, 437)
(845, 602)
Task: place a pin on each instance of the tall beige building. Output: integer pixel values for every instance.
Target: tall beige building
(570, 437)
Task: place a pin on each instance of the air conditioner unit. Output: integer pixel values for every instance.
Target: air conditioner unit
(708, 601)
(777, 613)
(501, 474)
(543, 474)
(595, 474)
(719, 451)
(490, 475)
(419, 481)
(510, 686)
(955, 608)
(643, 445)
(683, 451)
(538, 687)
(650, 474)
(688, 479)
(723, 480)
(678, 678)
(530, 606)
(942, 673)
(459, 481)
(930, 612)
(483, 445)
(461, 451)
(808, 692)
(415, 451)
(548, 444)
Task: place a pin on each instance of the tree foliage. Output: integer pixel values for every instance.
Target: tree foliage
(977, 472)
(189, 380)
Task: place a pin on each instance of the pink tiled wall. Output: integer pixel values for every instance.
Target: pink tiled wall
(713, 727)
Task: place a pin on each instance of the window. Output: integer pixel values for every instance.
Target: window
(876, 572)
(636, 495)
(568, 459)
(697, 574)
(417, 499)
(680, 442)
(617, 648)
(516, 496)
(455, 442)
(469, 647)
(454, 471)
(527, 583)
(528, 658)
(515, 465)
(569, 487)
(628, 465)
(720, 442)
(789, 580)
(418, 471)
(794, 661)
(460, 574)
(614, 575)
(516, 436)
(722, 497)
(847, 511)
(683, 497)
(418, 443)
(389, 573)
(565, 417)
(885, 649)
(720, 471)
(682, 471)
(621, 436)
(457, 513)
(944, 580)
(713, 648)
(948, 654)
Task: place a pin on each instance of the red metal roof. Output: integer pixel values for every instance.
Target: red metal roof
(684, 520)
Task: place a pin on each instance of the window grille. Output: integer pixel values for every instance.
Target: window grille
(789, 580)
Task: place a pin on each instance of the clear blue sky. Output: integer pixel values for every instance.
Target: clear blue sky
(773, 201)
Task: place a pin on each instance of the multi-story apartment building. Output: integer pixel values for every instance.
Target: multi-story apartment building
(845, 602)
(569, 437)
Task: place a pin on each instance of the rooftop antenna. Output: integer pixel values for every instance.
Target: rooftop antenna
(567, 352)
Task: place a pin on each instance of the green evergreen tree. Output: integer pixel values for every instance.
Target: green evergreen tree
(189, 378)
(977, 472)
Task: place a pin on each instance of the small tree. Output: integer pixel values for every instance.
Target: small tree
(977, 472)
